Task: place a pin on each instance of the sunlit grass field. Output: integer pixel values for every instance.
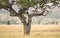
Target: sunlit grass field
(32, 35)
(42, 31)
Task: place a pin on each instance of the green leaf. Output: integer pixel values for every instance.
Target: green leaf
(3, 2)
(27, 3)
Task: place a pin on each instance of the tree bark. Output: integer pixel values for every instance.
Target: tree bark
(27, 26)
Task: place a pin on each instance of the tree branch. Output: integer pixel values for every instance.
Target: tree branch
(37, 14)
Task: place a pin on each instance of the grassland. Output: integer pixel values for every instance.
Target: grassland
(42, 31)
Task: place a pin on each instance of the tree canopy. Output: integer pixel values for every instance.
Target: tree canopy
(25, 3)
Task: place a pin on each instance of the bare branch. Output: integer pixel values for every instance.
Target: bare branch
(37, 14)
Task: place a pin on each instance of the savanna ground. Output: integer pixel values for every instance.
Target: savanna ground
(37, 31)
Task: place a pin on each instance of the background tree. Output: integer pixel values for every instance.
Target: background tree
(7, 4)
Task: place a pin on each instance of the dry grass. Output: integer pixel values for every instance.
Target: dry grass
(42, 31)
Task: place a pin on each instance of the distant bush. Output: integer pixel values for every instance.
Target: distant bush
(8, 22)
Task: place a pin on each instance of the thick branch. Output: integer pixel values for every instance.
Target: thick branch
(38, 14)
(22, 18)
(23, 10)
(9, 8)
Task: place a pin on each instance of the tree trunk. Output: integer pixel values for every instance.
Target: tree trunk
(27, 26)
(27, 29)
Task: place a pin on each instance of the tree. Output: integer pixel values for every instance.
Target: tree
(7, 4)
